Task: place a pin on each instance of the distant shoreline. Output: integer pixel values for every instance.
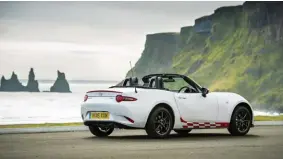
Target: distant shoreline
(72, 81)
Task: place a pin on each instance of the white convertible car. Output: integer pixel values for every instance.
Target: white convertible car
(161, 103)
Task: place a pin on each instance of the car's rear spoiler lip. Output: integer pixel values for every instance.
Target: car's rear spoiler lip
(104, 91)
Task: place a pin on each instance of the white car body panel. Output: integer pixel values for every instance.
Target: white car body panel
(215, 107)
(196, 108)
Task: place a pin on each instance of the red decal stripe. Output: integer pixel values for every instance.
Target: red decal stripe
(198, 125)
(182, 120)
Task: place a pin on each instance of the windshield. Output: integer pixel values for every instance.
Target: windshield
(174, 84)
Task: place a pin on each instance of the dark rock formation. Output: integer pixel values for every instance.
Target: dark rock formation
(195, 66)
(32, 85)
(14, 85)
(61, 84)
(158, 53)
(203, 25)
(11, 85)
(185, 34)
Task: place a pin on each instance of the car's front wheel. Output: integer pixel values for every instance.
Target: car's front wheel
(160, 123)
(241, 121)
(101, 131)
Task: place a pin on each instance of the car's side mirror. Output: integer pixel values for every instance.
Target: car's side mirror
(204, 91)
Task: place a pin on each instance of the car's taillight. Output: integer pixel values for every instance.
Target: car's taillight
(120, 98)
(85, 98)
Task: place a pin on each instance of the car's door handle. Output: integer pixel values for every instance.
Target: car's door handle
(182, 97)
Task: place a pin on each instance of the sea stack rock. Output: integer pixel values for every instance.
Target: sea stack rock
(32, 85)
(11, 85)
(61, 84)
(3, 82)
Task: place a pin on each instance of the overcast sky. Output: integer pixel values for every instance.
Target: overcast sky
(86, 40)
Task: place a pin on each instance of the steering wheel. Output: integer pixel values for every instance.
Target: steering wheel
(185, 87)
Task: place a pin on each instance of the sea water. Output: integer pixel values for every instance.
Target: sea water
(47, 107)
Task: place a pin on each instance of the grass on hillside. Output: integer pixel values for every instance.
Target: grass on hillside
(40, 125)
(269, 118)
(257, 118)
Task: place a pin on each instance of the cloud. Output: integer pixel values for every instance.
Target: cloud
(78, 61)
(88, 40)
(36, 47)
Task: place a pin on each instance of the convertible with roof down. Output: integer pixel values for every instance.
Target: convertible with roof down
(160, 103)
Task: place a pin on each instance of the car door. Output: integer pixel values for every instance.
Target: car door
(194, 107)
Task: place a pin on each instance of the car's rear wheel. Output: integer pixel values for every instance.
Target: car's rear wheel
(160, 123)
(241, 121)
(101, 131)
(183, 132)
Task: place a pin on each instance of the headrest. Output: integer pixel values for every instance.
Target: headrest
(131, 81)
(135, 81)
(160, 83)
(152, 80)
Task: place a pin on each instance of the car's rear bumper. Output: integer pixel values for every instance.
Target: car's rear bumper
(120, 114)
(116, 124)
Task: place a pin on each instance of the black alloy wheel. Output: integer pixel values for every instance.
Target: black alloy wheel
(160, 123)
(241, 121)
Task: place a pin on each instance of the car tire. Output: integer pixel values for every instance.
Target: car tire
(241, 121)
(99, 132)
(160, 123)
(183, 132)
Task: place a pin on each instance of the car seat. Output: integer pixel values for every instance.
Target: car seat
(152, 83)
(160, 83)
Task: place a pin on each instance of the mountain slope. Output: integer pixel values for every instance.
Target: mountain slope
(158, 53)
(238, 49)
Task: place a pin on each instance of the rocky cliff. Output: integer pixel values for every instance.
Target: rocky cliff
(157, 54)
(61, 84)
(237, 48)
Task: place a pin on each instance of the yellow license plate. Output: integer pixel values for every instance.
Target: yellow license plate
(99, 115)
